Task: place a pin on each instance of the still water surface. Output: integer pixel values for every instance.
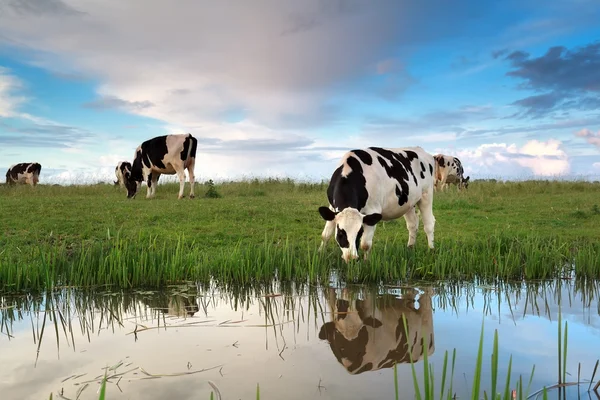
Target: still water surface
(295, 342)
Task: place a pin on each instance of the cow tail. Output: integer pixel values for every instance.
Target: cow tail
(192, 149)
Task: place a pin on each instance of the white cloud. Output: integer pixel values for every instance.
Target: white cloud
(596, 165)
(591, 137)
(9, 100)
(534, 157)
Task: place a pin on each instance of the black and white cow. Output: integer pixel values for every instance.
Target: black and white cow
(120, 170)
(369, 334)
(27, 173)
(376, 184)
(169, 154)
(449, 169)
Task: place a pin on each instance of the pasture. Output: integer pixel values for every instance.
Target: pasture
(260, 229)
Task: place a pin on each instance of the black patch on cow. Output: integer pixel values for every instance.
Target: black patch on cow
(342, 307)
(367, 367)
(372, 322)
(364, 156)
(448, 163)
(149, 180)
(326, 213)
(430, 169)
(353, 350)
(440, 161)
(372, 219)
(402, 194)
(401, 353)
(348, 191)
(422, 170)
(422, 166)
(342, 238)
(400, 166)
(358, 236)
(189, 141)
(126, 165)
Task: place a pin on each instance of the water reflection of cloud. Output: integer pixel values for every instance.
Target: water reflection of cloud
(273, 341)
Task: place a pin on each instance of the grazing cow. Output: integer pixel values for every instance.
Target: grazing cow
(120, 169)
(27, 173)
(378, 184)
(169, 154)
(449, 169)
(368, 335)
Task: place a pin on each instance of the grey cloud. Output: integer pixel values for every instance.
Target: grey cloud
(566, 124)
(448, 120)
(499, 53)
(328, 45)
(569, 78)
(111, 102)
(559, 69)
(42, 135)
(214, 145)
(38, 8)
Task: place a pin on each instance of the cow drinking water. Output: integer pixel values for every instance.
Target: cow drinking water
(169, 154)
(376, 184)
(27, 173)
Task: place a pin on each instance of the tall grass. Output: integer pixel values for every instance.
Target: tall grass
(513, 389)
(127, 263)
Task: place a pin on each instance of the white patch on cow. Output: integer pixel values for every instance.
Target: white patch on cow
(386, 341)
(383, 199)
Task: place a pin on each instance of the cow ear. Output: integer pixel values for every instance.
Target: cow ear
(326, 213)
(371, 219)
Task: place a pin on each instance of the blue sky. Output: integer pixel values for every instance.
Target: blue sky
(284, 88)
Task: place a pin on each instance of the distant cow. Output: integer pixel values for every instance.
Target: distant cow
(368, 335)
(169, 154)
(449, 169)
(120, 169)
(378, 184)
(28, 173)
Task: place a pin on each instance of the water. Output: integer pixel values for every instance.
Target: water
(155, 343)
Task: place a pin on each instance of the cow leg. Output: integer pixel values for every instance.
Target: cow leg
(181, 176)
(192, 178)
(366, 241)
(326, 234)
(149, 186)
(412, 224)
(155, 177)
(426, 208)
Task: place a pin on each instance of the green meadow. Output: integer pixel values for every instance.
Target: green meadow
(256, 230)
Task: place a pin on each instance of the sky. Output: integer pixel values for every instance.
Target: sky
(275, 88)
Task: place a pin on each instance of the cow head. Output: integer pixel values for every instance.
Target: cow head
(349, 228)
(465, 182)
(133, 176)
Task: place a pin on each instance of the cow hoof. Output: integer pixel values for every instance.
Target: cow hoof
(192, 196)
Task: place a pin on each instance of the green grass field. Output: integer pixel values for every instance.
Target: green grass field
(90, 235)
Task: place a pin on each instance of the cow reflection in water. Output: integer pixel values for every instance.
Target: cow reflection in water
(173, 305)
(370, 335)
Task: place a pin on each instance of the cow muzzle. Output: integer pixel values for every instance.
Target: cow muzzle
(349, 255)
